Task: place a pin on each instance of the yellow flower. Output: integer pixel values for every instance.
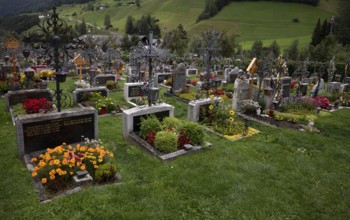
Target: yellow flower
(52, 172)
(100, 160)
(211, 96)
(82, 167)
(232, 112)
(59, 171)
(95, 166)
(231, 119)
(56, 162)
(34, 174)
(111, 155)
(44, 180)
(221, 100)
(34, 159)
(211, 107)
(42, 164)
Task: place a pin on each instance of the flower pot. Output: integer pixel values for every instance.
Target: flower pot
(271, 113)
(258, 111)
(103, 110)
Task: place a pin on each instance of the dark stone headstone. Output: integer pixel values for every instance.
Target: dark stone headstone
(232, 77)
(101, 80)
(81, 94)
(179, 80)
(16, 97)
(135, 91)
(285, 86)
(36, 133)
(346, 80)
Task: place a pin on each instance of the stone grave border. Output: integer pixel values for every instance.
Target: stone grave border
(193, 107)
(28, 94)
(77, 92)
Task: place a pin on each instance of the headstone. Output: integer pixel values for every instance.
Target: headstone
(160, 77)
(132, 117)
(231, 75)
(52, 129)
(79, 95)
(320, 88)
(345, 86)
(303, 88)
(241, 92)
(133, 91)
(191, 72)
(285, 86)
(16, 97)
(333, 87)
(101, 80)
(179, 80)
(268, 91)
(193, 109)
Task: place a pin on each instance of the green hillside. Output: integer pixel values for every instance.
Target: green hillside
(252, 21)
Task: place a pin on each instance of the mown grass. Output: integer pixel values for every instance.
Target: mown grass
(277, 174)
(252, 21)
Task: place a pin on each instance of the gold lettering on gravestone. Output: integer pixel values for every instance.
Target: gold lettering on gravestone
(53, 126)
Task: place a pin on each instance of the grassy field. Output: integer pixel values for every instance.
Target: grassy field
(252, 21)
(278, 174)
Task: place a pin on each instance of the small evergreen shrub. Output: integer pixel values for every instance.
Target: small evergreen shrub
(170, 123)
(149, 124)
(166, 142)
(194, 131)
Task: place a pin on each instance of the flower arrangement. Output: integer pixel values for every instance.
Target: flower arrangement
(46, 73)
(81, 84)
(321, 102)
(103, 104)
(56, 167)
(249, 106)
(37, 105)
(220, 118)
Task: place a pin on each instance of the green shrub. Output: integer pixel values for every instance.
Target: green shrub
(194, 131)
(111, 84)
(166, 142)
(105, 172)
(149, 124)
(171, 122)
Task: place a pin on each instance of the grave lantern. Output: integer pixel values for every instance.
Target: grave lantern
(6, 59)
(26, 53)
(61, 76)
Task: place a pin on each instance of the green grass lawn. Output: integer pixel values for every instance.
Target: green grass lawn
(266, 21)
(277, 174)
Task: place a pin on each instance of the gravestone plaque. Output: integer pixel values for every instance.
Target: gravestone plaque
(190, 72)
(241, 92)
(133, 90)
(101, 80)
(16, 97)
(52, 129)
(160, 77)
(179, 80)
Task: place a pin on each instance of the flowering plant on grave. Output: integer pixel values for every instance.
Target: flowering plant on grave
(220, 118)
(37, 105)
(102, 103)
(321, 102)
(56, 167)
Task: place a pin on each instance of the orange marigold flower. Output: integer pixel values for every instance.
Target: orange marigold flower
(111, 155)
(34, 159)
(57, 161)
(82, 167)
(52, 172)
(34, 174)
(52, 177)
(44, 180)
(71, 173)
(36, 168)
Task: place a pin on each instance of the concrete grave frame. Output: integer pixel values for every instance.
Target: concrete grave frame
(77, 93)
(130, 114)
(23, 95)
(193, 108)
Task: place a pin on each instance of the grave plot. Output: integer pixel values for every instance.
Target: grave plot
(219, 118)
(156, 130)
(96, 97)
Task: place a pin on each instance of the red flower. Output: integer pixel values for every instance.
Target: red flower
(182, 140)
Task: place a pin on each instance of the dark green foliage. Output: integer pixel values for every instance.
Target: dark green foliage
(257, 48)
(194, 131)
(316, 36)
(148, 125)
(275, 49)
(171, 122)
(19, 23)
(343, 22)
(176, 40)
(166, 142)
(143, 26)
(107, 22)
(105, 172)
(293, 50)
(129, 25)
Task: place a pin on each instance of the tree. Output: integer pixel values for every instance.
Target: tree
(177, 40)
(275, 49)
(125, 44)
(107, 22)
(138, 3)
(83, 29)
(343, 32)
(316, 36)
(129, 25)
(293, 50)
(257, 48)
(325, 29)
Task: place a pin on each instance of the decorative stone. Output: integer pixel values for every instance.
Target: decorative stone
(188, 147)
